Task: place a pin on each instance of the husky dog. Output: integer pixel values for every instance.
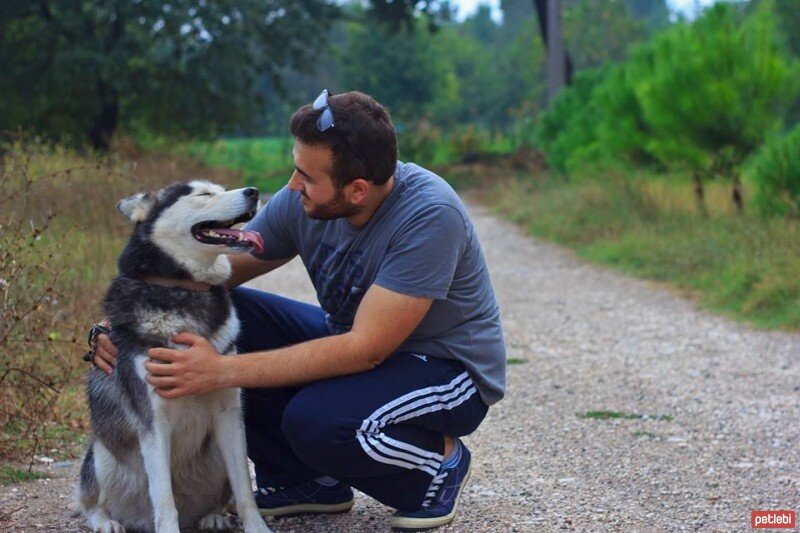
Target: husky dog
(151, 463)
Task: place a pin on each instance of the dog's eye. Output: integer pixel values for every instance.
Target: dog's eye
(203, 194)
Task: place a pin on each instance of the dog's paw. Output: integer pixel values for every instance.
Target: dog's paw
(109, 526)
(214, 522)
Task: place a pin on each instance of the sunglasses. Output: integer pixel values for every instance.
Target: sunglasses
(325, 120)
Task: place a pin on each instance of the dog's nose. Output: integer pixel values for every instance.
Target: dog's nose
(251, 192)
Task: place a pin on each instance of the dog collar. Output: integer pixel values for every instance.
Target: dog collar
(187, 284)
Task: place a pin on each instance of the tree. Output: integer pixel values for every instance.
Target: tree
(77, 69)
(405, 70)
(713, 90)
(597, 32)
(653, 13)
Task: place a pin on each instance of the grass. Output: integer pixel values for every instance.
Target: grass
(743, 266)
(11, 476)
(614, 415)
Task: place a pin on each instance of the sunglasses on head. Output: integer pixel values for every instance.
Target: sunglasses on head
(325, 120)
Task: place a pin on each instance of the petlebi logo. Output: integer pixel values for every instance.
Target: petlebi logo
(782, 519)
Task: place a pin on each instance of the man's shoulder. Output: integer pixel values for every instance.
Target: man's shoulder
(424, 189)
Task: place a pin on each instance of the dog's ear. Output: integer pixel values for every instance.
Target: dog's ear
(138, 206)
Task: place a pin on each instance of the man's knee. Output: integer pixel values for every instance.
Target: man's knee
(318, 437)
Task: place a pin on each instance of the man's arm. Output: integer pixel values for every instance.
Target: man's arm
(383, 321)
(245, 267)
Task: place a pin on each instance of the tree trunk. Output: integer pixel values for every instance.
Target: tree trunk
(559, 63)
(556, 62)
(105, 122)
(738, 197)
(700, 194)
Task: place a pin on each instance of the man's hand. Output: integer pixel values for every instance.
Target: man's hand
(195, 370)
(105, 356)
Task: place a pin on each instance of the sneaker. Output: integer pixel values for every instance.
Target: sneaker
(308, 497)
(439, 506)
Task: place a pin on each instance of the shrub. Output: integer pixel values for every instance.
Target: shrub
(467, 143)
(567, 127)
(420, 143)
(775, 171)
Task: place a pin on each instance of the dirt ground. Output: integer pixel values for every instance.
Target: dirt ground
(627, 409)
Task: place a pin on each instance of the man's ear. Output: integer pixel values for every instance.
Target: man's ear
(358, 190)
(138, 206)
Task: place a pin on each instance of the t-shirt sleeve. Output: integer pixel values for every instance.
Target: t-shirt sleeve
(422, 257)
(273, 222)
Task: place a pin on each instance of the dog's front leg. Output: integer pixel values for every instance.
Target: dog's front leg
(229, 436)
(155, 443)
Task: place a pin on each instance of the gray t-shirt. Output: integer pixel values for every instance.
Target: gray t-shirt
(420, 242)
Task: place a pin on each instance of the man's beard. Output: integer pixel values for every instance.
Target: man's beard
(338, 207)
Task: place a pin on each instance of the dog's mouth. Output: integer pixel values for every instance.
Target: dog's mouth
(221, 232)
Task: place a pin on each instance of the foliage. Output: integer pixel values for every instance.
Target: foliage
(420, 144)
(714, 88)
(610, 22)
(78, 69)
(41, 327)
(654, 14)
(775, 171)
(566, 129)
(265, 163)
(703, 95)
(620, 129)
(410, 73)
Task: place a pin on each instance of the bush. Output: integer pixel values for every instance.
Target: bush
(620, 129)
(468, 143)
(567, 128)
(775, 171)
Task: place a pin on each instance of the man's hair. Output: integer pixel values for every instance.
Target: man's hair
(363, 139)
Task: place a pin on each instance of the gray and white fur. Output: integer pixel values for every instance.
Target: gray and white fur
(154, 464)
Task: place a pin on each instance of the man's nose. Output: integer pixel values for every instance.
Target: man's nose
(294, 182)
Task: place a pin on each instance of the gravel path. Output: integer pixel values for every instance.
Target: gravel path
(714, 408)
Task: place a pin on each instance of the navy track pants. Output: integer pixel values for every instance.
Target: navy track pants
(380, 431)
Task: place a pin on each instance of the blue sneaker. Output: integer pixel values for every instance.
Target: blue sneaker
(308, 497)
(439, 506)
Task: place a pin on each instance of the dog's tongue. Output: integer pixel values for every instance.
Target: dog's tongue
(252, 237)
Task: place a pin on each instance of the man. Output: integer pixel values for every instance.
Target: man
(372, 389)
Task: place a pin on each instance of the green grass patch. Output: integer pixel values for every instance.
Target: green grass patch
(744, 266)
(516, 361)
(608, 415)
(612, 415)
(10, 475)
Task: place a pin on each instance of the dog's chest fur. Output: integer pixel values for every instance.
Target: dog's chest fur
(145, 315)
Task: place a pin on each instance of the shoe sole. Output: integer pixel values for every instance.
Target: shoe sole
(306, 508)
(402, 523)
